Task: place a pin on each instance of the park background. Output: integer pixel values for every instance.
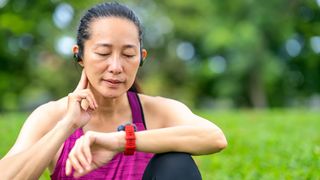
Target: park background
(250, 66)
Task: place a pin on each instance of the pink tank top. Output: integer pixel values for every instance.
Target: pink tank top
(120, 167)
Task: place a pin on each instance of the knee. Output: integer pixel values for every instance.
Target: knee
(172, 160)
(172, 165)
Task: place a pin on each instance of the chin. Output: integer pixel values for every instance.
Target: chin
(112, 93)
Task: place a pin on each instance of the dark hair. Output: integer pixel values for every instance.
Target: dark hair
(112, 9)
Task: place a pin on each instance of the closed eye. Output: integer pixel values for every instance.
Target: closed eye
(103, 54)
(129, 56)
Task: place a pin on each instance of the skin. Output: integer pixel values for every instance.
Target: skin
(99, 105)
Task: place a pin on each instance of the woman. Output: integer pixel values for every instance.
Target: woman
(77, 135)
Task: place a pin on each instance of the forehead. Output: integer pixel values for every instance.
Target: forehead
(114, 30)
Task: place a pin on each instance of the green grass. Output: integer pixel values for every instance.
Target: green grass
(10, 125)
(273, 144)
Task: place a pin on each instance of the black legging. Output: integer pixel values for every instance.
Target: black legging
(172, 165)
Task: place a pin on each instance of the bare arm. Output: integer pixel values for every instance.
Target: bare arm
(44, 132)
(190, 139)
(30, 163)
(180, 130)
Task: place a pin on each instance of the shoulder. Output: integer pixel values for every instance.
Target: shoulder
(57, 106)
(162, 103)
(48, 114)
(39, 122)
(166, 110)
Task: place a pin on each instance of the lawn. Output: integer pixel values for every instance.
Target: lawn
(272, 144)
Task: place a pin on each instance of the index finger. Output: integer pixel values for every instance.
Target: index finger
(68, 167)
(83, 83)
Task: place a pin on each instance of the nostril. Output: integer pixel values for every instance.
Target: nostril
(115, 70)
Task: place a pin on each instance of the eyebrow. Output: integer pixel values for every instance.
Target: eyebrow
(110, 45)
(102, 44)
(129, 46)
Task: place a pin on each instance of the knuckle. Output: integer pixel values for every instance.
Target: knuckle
(79, 139)
(90, 92)
(78, 151)
(88, 134)
(70, 156)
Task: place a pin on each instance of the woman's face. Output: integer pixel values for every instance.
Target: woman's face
(111, 55)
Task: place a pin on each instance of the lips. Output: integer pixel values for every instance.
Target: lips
(113, 82)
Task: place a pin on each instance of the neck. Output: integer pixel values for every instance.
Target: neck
(110, 106)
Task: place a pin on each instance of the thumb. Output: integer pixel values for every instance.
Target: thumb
(83, 83)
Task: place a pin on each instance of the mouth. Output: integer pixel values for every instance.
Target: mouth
(113, 82)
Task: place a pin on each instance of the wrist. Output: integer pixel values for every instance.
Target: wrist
(66, 123)
(121, 139)
(130, 138)
(72, 122)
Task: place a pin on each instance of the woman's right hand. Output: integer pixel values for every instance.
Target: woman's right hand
(81, 103)
(93, 150)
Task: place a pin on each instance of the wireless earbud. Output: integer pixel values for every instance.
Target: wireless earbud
(76, 57)
(141, 59)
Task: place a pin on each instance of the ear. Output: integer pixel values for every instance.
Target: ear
(75, 50)
(144, 54)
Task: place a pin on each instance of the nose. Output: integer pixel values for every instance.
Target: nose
(115, 66)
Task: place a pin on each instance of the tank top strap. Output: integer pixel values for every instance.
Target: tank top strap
(136, 109)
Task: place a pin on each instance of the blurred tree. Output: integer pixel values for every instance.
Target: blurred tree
(254, 52)
(206, 52)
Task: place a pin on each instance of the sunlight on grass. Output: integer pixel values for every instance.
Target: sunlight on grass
(273, 144)
(265, 145)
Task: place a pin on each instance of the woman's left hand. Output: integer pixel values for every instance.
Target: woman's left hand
(92, 151)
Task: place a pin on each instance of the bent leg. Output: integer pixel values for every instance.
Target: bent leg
(172, 165)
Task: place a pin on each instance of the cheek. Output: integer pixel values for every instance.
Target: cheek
(132, 72)
(133, 69)
(93, 70)
(93, 65)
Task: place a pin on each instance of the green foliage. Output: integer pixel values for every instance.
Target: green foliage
(274, 144)
(252, 37)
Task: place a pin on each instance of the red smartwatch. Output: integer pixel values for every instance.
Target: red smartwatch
(129, 129)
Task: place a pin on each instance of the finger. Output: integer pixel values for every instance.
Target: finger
(84, 104)
(87, 150)
(81, 155)
(87, 95)
(90, 99)
(93, 99)
(68, 167)
(75, 98)
(87, 102)
(74, 161)
(77, 174)
(83, 162)
(76, 165)
(91, 168)
(83, 83)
